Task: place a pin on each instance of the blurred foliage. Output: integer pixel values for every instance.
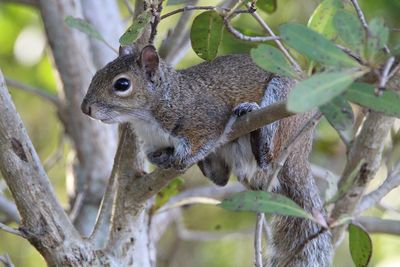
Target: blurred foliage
(24, 56)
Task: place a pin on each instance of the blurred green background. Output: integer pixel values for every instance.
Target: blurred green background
(24, 56)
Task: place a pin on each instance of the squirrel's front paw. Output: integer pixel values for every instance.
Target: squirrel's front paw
(162, 158)
(245, 108)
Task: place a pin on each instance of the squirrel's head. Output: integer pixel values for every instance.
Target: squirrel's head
(125, 87)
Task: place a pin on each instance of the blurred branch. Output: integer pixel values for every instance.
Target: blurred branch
(190, 8)
(258, 240)
(391, 182)
(5, 259)
(129, 7)
(382, 226)
(384, 77)
(33, 90)
(9, 209)
(11, 230)
(322, 173)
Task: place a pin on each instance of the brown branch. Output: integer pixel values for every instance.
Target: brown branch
(376, 225)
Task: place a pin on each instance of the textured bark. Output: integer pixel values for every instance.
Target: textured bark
(95, 143)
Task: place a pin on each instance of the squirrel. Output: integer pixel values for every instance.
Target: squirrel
(183, 117)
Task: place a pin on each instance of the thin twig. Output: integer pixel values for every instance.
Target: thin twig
(248, 38)
(258, 240)
(278, 42)
(5, 259)
(364, 23)
(11, 230)
(384, 77)
(189, 8)
(77, 206)
(278, 164)
(56, 156)
(9, 209)
(393, 72)
(33, 90)
(376, 225)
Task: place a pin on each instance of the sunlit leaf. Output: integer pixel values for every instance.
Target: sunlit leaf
(83, 26)
(364, 95)
(322, 18)
(267, 202)
(319, 89)
(206, 34)
(136, 29)
(314, 45)
(377, 37)
(360, 245)
(272, 59)
(339, 114)
(350, 30)
(268, 6)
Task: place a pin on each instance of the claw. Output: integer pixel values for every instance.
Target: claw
(245, 108)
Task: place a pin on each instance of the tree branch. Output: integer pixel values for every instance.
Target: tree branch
(43, 218)
(33, 90)
(11, 230)
(367, 147)
(248, 38)
(9, 209)
(376, 225)
(5, 259)
(258, 240)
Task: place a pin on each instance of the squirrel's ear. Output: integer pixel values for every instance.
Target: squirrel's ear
(127, 50)
(149, 60)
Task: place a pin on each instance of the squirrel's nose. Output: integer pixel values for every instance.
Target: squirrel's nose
(86, 108)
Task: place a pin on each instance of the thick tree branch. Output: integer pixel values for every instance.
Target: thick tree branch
(43, 218)
(367, 147)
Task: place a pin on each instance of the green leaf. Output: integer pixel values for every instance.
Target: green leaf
(136, 29)
(271, 59)
(360, 245)
(322, 18)
(364, 95)
(83, 26)
(319, 89)
(377, 38)
(206, 34)
(339, 114)
(167, 192)
(314, 46)
(260, 201)
(350, 30)
(268, 6)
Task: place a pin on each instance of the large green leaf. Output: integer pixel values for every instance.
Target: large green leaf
(339, 114)
(268, 6)
(83, 26)
(272, 59)
(364, 95)
(260, 201)
(206, 34)
(314, 46)
(136, 29)
(350, 30)
(322, 18)
(319, 89)
(377, 37)
(360, 245)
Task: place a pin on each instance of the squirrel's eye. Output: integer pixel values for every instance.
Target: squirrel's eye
(122, 85)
